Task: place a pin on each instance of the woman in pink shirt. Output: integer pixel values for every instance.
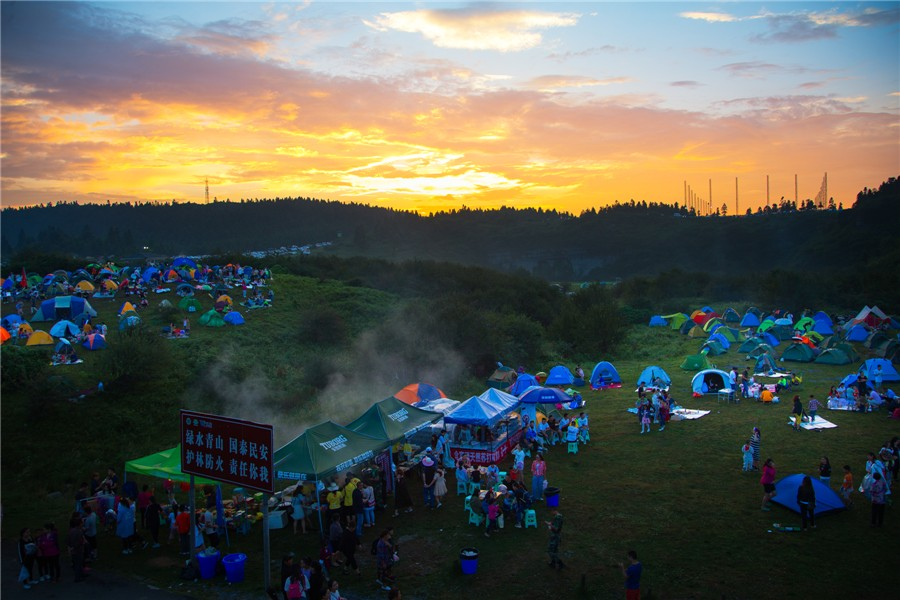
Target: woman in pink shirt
(768, 482)
(538, 471)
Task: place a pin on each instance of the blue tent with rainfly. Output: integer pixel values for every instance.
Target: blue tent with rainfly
(63, 307)
(857, 333)
(710, 381)
(605, 375)
(560, 375)
(234, 318)
(769, 339)
(827, 501)
(522, 383)
(718, 337)
(750, 320)
(64, 328)
(888, 371)
(823, 316)
(654, 377)
(657, 321)
(148, 274)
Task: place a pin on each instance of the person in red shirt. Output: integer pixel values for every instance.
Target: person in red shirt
(143, 501)
(183, 524)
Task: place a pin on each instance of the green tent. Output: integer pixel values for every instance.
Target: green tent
(695, 362)
(324, 450)
(848, 349)
(765, 326)
(165, 465)
(712, 348)
(675, 320)
(798, 352)
(712, 323)
(190, 304)
(760, 350)
(749, 345)
(833, 356)
(696, 331)
(393, 420)
(732, 335)
(804, 324)
(212, 319)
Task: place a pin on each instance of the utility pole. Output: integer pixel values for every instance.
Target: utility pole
(207, 190)
(767, 191)
(737, 206)
(796, 195)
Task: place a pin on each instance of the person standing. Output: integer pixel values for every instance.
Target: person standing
(27, 555)
(825, 470)
(428, 475)
(813, 406)
(862, 383)
(402, 499)
(384, 559)
(877, 493)
(538, 472)
(797, 412)
(806, 499)
(153, 517)
(847, 487)
(878, 377)
(90, 531)
(125, 524)
(755, 442)
(768, 482)
(555, 526)
(745, 384)
(183, 525)
(632, 574)
(76, 545)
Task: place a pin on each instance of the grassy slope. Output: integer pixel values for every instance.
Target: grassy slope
(677, 497)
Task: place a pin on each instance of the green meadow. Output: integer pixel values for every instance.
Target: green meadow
(327, 350)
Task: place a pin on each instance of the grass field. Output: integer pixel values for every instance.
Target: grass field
(677, 497)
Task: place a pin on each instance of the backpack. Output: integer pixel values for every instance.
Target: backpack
(295, 589)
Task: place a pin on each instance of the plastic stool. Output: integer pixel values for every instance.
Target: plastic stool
(585, 437)
(466, 503)
(530, 518)
(476, 519)
(573, 448)
(474, 487)
(461, 488)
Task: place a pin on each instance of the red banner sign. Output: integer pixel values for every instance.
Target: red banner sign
(483, 456)
(229, 450)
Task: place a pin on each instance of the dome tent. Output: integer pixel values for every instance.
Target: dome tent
(605, 375)
(710, 381)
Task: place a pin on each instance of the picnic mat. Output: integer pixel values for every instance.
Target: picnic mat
(819, 424)
(690, 415)
(776, 375)
(64, 364)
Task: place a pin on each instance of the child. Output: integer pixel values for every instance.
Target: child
(747, 449)
(645, 419)
(440, 486)
(493, 511)
(812, 406)
(173, 527)
(847, 487)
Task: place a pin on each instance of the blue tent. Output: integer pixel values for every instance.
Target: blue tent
(821, 316)
(183, 260)
(654, 377)
(523, 382)
(888, 371)
(560, 375)
(718, 337)
(857, 333)
(750, 320)
(827, 501)
(542, 395)
(823, 327)
(710, 381)
(8, 283)
(657, 321)
(148, 274)
(708, 309)
(475, 411)
(63, 307)
(64, 328)
(605, 375)
(502, 400)
(11, 321)
(234, 318)
(769, 339)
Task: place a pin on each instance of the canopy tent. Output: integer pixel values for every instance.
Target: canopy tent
(523, 382)
(605, 375)
(654, 377)
(560, 375)
(165, 465)
(710, 381)
(415, 393)
(502, 378)
(499, 398)
(542, 395)
(324, 450)
(393, 420)
(477, 411)
(827, 501)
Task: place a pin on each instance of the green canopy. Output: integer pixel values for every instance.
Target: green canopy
(324, 450)
(393, 420)
(165, 465)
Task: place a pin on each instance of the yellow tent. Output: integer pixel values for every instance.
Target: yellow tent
(110, 286)
(24, 329)
(84, 286)
(39, 338)
(225, 298)
(128, 306)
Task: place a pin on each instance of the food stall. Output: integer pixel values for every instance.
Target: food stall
(487, 428)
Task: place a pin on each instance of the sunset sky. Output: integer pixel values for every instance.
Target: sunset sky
(429, 106)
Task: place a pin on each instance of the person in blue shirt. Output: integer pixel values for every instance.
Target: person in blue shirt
(632, 575)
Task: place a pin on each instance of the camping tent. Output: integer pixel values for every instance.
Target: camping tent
(888, 372)
(731, 316)
(827, 500)
(393, 420)
(823, 327)
(804, 324)
(523, 382)
(714, 322)
(212, 319)
(322, 450)
(857, 333)
(560, 375)
(94, 341)
(710, 381)
(605, 375)
(696, 332)
(675, 320)
(63, 307)
(39, 338)
(782, 331)
(190, 304)
(695, 362)
(64, 328)
(686, 327)
(718, 337)
(4, 335)
(750, 320)
(833, 356)
(749, 345)
(126, 307)
(798, 352)
(542, 395)
(415, 393)
(657, 321)
(233, 318)
(502, 378)
(712, 348)
(129, 322)
(873, 317)
(823, 317)
(11, 321)
(876, 340)
(654, 377)
(762, 349)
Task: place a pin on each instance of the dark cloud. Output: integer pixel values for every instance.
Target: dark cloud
(795, 29)
(686, 84)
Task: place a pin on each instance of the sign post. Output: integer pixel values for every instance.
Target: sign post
(234, 451)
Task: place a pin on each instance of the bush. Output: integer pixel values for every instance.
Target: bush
(22, 367)
(136, 355)
(324, 326)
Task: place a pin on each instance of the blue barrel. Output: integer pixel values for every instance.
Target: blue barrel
(207, 564)
(234, 567)
(468, 558)
(552, 496)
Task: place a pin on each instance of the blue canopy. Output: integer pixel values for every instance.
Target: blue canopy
(827, 501)
(604, 375)
(523, 382)
(476, 411)
(654, 377)
(502, 400)
(542, 395)
(560, 375)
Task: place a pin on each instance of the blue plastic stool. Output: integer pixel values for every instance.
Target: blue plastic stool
(466, 503)
(461, 488)
(474, 487)
(530, 518)
(573, 448)
(476, 519)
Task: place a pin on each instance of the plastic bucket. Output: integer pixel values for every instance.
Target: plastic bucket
(552, 496)
(207, 564)
(234, 567)
(468, 559)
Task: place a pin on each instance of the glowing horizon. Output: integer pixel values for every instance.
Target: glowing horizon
(432, 106)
